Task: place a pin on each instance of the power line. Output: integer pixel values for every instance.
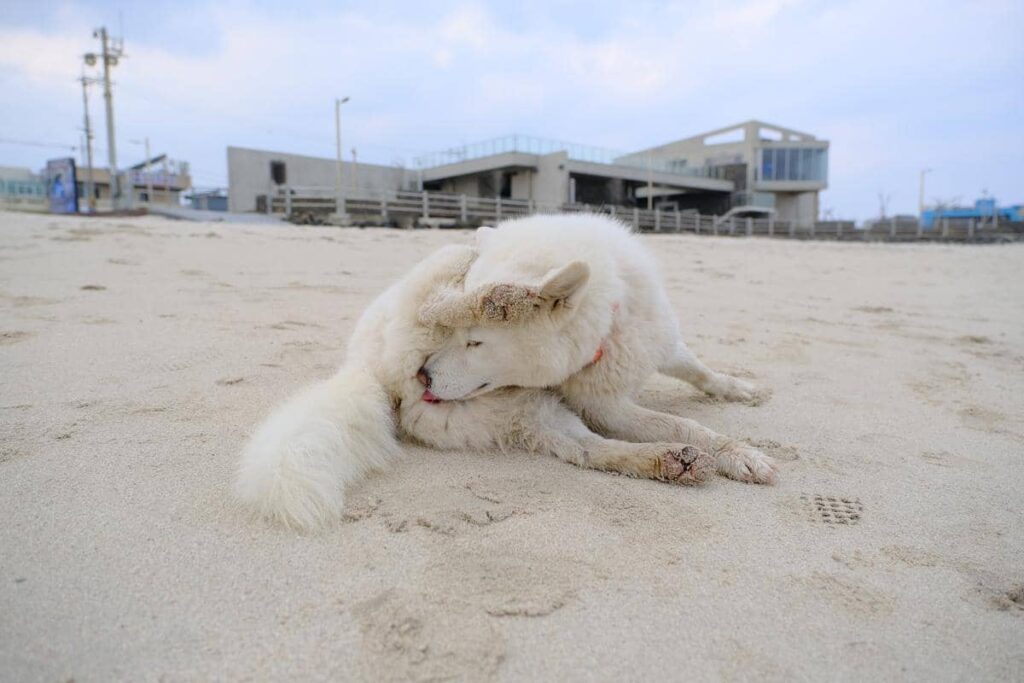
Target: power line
(37, 143)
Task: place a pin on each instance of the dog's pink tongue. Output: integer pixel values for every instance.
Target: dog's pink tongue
(429, 397)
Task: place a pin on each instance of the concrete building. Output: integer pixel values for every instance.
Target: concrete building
(254, 174)
(552, 174)
(757, 169)
(771, 167)
(157, 186)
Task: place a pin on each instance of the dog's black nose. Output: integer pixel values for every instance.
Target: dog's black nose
(423, 376)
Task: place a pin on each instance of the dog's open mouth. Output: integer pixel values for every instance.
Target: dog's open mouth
(429, 397)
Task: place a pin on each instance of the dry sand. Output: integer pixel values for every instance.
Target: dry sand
(136, 354)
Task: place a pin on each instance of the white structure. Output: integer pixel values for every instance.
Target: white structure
(254, 173)
(771, 167)
(748, 169)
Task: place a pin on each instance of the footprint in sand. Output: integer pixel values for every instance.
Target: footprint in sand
(847, 594)
(945, 459)
(873, 309)
(13, 337)
(416, 637)
(451, 510)
(507, 584)
(972, 339)
(775, 449)
(979, 418)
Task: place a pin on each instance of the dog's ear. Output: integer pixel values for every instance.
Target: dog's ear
(504, 303)
(500, 303)
(562, 287)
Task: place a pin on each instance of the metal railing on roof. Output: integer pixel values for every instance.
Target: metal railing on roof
(527, 144)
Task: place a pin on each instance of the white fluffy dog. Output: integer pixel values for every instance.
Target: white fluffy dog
(295, 467)
(584, 313)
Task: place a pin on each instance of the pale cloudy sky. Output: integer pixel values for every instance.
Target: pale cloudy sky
(894, 85)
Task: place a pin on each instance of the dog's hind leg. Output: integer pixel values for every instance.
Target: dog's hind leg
(621, 418)
(553, 429)
(684, 365)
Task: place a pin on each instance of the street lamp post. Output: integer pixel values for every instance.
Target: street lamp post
(338, 188)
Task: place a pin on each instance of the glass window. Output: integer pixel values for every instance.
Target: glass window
(807, 165)
(767, 164)
(794, 164)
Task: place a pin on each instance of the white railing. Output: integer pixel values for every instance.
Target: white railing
(530, 145)
(439, 208)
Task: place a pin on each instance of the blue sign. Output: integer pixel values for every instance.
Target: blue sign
(62, 185)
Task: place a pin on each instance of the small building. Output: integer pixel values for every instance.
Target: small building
(209, 200)
(984, 211)
(22, 190)
(162, 181)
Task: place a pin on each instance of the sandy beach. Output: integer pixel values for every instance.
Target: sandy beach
(136, 354)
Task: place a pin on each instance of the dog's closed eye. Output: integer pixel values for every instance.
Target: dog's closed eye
(473, 344)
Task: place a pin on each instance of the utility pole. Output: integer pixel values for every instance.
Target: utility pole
(920, 193)
(111, 51)
(89, 191)
(339, 192)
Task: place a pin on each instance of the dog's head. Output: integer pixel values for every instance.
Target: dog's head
(504, 334)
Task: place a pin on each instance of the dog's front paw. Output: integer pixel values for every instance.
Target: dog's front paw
(686, 465)
(747, 464)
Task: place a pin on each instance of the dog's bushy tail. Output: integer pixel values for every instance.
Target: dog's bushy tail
(297, 464)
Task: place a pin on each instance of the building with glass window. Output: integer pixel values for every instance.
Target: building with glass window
(749, 169)
(771, 167)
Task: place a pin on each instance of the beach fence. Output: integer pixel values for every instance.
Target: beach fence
(407, 208)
